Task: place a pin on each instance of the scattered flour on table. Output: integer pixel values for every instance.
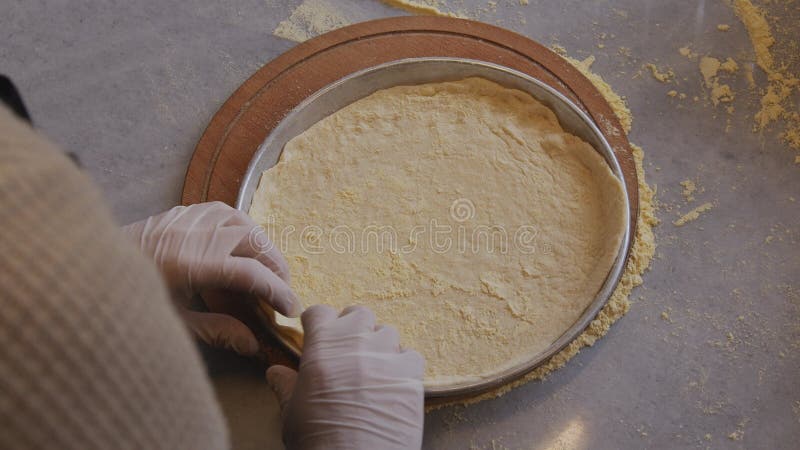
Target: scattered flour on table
(693, 214)
(499, 12)
(689, 189)
(664, 77)
(738, 434)
(616, 102)
(709, 68)
(310, 19)
(421, 7)
(777, 104)
(687, 52)
(559, 49)
(314, 17)
(776, 101)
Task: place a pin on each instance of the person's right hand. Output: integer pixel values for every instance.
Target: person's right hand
(217, 252)
(355, 389)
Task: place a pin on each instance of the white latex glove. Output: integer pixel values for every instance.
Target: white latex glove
(355, 389)
(219, 252)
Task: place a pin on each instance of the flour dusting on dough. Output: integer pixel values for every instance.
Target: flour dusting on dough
(478, 161)
(641, 254)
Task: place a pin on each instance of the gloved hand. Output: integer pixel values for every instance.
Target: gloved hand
(218, 252)
(355, 389)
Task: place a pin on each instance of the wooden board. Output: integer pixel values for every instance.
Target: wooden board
(243, 122)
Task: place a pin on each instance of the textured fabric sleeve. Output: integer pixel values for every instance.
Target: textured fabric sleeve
(92, 354)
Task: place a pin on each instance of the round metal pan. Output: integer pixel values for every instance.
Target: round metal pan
(427, 70)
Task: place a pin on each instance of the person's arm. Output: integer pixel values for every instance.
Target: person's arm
(92, 352)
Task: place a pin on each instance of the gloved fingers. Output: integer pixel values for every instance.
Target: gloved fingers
(220, 330)
(168, 216)
(203, 217)
(282, 381)
(226, 241)
(386, 339)
(237, 218)
(141, 233)
(220, 213)
(412, 364)
(256, 244)
(236, 241)
(317, 316)
(357, 319)
(248, 276)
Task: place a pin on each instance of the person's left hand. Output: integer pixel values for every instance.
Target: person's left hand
(218, 252)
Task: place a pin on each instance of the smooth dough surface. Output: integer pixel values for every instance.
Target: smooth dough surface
(360, 204)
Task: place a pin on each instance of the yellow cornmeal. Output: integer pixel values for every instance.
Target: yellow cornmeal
(482, 163)
(709, 68)
(729, 66)
(776, 101)
(759, 31)
(688, 189)
(421, 7)
(692, 215)
(687, 52)
(664, 77)
(616, 102)
(310, 19)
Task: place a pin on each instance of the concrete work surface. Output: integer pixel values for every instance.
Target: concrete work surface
(707, 357)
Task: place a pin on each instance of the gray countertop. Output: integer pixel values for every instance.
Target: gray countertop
(130, 86)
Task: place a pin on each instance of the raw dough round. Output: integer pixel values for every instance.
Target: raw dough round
(460, 212)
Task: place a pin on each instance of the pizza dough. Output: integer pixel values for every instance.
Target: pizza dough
(460, 212)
